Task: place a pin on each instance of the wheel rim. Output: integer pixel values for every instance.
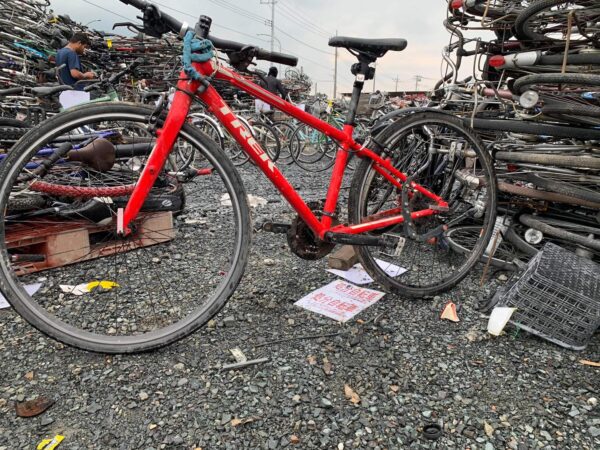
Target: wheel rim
(162, 308)
(431, 266)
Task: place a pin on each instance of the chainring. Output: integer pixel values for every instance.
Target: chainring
(301, 239)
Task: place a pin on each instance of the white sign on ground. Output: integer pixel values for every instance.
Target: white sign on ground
(339, 300)
(357, 275)
(29, 288)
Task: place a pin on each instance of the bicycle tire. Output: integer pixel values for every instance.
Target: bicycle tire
(364, 202)
(574, 113)
(285, 133)
(524, 83)
(535, 128)
(564, 188)
(209, 128)
(522, 24)
(544, 195)
(13, 123)
(12, 134)
(95, 336)
(554, 160)
(266, 135)
(321, 149)
(520, 244)
(479, 9)
(25, 202)
(454, 239)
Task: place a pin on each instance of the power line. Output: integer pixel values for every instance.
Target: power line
(108, 10)
(214, 25)
(303, 43)
(303, 17)
(307, 26)
(314, 62)
(242, 12)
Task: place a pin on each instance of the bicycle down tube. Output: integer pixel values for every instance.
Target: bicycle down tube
(217, 106)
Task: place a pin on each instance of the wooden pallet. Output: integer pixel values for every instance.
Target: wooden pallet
(64, 243)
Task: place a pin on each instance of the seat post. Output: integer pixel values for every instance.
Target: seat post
(356, 91)
(362, 72)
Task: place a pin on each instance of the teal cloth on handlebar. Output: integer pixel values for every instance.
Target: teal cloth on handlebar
(195, 50)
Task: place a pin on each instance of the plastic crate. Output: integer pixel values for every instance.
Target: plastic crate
(557, 297)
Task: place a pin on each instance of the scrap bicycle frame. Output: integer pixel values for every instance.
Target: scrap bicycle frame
(188, 89)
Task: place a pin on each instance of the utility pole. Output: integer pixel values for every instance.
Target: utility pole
(272, 3)
(374, 76)
(418, 79)
(335, 72)
(315, 88)
(397, 79)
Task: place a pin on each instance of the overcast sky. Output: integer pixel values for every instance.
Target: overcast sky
(303, 27)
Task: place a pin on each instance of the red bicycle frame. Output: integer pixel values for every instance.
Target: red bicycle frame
(187, 89)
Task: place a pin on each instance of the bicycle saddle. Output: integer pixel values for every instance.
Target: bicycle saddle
(99, 155)
(375, 46)
(48, 91)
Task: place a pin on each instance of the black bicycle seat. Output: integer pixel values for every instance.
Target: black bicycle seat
(374, 46)
(47, 91)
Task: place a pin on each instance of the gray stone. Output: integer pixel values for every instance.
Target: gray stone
(46, 420)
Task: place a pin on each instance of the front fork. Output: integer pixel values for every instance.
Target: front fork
(167, 135)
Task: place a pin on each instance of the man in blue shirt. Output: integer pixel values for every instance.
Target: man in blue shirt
(69, 56)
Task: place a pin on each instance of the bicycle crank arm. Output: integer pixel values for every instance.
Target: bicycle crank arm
(271, 227)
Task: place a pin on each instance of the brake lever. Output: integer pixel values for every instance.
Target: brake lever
(130, 26)
(242, 59)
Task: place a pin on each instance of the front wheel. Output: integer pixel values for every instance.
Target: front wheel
(101, 291)
(447, 159)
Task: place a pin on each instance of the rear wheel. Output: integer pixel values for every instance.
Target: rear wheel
(448, 160)
(113, 294)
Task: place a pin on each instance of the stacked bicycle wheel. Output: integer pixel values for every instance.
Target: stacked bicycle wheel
(534, 99)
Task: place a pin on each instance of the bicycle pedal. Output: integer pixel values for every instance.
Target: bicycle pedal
(392, 244)
(439, 208)
(273, 227)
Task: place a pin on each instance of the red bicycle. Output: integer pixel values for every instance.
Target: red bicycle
(165, 271)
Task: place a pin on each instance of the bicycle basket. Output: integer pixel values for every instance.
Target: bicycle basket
(557, 298)
(376, 100)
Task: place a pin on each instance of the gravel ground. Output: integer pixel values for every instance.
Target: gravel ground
(406, 367)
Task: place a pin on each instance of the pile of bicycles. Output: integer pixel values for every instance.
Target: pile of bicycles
(533, 97)
(30, 35)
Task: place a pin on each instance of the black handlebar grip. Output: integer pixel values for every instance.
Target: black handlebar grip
(275, 57)
(139, 4)
(224, 44)
(175, 25)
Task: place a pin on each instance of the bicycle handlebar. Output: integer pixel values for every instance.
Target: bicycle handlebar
(181, 28)
(115, 77)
